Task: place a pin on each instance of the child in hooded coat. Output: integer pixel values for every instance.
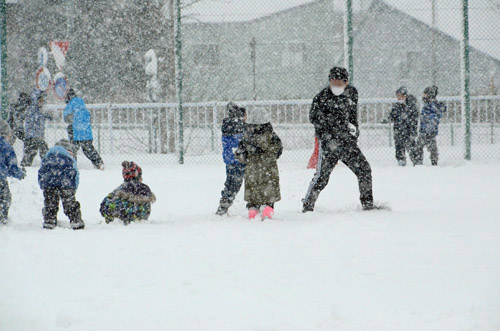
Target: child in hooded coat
(8, 168)
(58, 178)
(259, 150)
(132, 200)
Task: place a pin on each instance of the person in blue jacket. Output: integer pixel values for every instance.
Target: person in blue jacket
(34, 127)
(432, 112)
(232, 133)
(8, 168)
(58, 178)
(80, 128)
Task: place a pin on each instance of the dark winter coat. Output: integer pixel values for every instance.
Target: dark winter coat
(331, 114)
(405, 117)
(77, 114)
(17, 115)
(34, 124)
(58, 170)
(258, 150)
(232, 132)
(8, 161)
(130, 201)
(429, 120)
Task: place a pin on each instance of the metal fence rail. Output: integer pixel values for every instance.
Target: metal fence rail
(148, 132)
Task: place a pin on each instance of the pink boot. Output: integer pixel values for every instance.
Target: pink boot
(252, 213)
(268, 212)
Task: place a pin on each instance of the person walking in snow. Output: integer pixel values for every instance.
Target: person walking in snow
(80, 128)
(58, 178)
(34, 126)
(335, 119)
(259, 150)
(8, 168)
(404, 115)
(132, 200)
(432, 112)
(232, 132)
(16, 117)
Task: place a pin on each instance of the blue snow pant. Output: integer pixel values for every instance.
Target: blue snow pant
(5, 200)
(234, 178)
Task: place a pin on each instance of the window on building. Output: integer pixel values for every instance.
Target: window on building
(206, 55)
(293, 54)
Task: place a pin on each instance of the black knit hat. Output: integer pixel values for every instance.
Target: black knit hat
(131, 170)
(402, 90)
(338, 73)
(235, 111)
(431, 91)
(70, 95)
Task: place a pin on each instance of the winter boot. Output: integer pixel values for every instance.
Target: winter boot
(108, 219)
(77, 225)
(224, 205)
(49, 224)
(402, 163)
(268, 212)
(252, 213)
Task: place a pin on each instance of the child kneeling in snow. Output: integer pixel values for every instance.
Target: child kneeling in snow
(58, 178)
(132, 200)
(259, 149)
(8, 168)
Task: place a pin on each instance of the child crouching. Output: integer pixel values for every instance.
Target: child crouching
(58, 177)
(132, 200)
(259, 149)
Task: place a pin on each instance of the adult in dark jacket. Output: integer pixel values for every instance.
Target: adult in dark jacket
(259, 150)
(58, 177)
(432, 112)
(404, 115)
(335, 119)
(232, 132)
(34, 127)
(16, 117)
(80, 128)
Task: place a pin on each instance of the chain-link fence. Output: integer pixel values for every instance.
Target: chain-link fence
(120, 57)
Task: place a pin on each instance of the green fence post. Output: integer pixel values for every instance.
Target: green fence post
(348, 41)
(466, 80)
(179, 78)
(3, 59)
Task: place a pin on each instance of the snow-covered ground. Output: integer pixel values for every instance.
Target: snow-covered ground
(432, 263)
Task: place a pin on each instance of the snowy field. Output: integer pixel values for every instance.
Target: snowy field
(432, 263)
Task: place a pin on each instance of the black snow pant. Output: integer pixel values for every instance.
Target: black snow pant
(404, 143)
(70, 205)
(349, 153)
(5, 200)
(234, 178)
(31, 147)
(87, 147)
(430, 142)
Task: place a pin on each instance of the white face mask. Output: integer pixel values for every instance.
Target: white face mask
(337, 90)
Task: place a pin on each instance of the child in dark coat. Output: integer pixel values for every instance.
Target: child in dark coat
(132, 200)
(8, 168)
(259, 150)
(232, 132)
(58, 177)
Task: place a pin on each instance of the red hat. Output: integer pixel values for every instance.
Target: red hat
(131, 170)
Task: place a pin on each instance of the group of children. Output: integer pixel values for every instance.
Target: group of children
(250, 151)
(58, 176)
